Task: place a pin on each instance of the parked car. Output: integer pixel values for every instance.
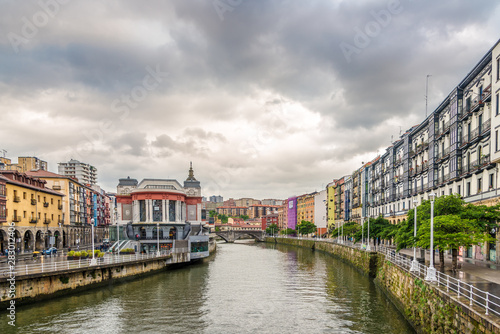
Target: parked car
(50, 251)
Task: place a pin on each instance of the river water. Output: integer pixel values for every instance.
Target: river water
(245, 288)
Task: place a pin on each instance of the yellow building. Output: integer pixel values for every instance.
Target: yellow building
(330, 199)
(35, 210)
(76, 206)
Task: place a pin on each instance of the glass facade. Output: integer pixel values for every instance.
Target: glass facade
(157, 210)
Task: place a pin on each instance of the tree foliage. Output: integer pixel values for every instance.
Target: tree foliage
(272, 229)
(306, 227)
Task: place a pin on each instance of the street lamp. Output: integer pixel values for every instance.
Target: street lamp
(158, 238)
(368, 246)
(414, 263)
(117, 233)
(93, 262)
(362, 230)
(431, 271)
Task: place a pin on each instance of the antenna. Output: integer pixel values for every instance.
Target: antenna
(400, 131)
(426, 90)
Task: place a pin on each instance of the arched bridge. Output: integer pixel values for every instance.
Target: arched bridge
(233, 235)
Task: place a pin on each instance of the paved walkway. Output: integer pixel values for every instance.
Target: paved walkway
(484, 275)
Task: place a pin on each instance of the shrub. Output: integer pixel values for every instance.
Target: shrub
(72, 253)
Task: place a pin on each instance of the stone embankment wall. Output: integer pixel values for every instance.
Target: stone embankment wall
(428, 308)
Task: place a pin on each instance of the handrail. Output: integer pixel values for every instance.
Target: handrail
(35, 268)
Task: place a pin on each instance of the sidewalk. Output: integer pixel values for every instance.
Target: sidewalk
(484, 275)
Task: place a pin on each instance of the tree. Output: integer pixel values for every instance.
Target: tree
(212, 213)
(272, 229)
(223, 218)
(306, 227)
(244, 217)
(450, 232)
(288, 231)
(348, 230)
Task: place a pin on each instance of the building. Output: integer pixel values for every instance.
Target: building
(320, 209)
(232, 211)
(24, 164)
(330, 207)
(84, 173)
(80, 205)
(268, 220)
(3, 200)
(259, 210)
(34, 210)
(216, 199)
(454, 150)
(292, 212)
(305, 208)
(162, 211)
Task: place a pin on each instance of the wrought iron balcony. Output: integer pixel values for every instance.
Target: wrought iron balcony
(33, 220)
(33, 201)
(59, 207)
(17, 199)
(16, 219)
(46, 204)
(46, 221)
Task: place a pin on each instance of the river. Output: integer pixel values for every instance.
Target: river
(244, 288)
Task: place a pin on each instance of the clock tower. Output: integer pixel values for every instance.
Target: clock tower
(192, 189)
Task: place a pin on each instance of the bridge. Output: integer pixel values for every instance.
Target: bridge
(233, 235)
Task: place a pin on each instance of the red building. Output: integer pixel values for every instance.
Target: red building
(268, 220)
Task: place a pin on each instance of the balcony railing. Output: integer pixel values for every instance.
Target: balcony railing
(17, 199)
(16, 219)
(33, 220)
(59, 207)
(46, 204)
(33, 201)
(443, 154)
(46, 221)
(486, 127)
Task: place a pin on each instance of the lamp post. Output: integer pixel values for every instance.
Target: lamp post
(368, 248)
(158, 238)
(117, 233)
(362, 230)
(414, 263)
(93, 262)
(431, 271)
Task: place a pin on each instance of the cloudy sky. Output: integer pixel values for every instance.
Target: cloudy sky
(268, 99)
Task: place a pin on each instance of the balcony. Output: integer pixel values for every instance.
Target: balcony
(46, 204)
(33, 201)
(33, 221)
(443, 179)
(56, 187)
(17, 199)
(486, 94)
(485, 128)
(468, 138)
(16, 219)
(443, 154)
(59, 207)
(46, 221)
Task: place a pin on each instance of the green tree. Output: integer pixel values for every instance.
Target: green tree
(223, 218)
(272, 229)
(450, 232)
(349, 230)
(244, 217)
(306, 227)
(212, 213)
(288, 231)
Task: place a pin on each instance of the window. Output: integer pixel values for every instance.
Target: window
(468, 188)
(496, 140)
(490, 185)
(24, 195)
(498, 69)
(458, 190)
(496, 107)
(479, 185)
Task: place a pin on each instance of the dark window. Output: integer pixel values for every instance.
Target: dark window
(498, 101)
(491, 182)
(142, 210)
(157, 210)
(468, 188)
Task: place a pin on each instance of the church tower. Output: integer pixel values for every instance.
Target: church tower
(192, 188)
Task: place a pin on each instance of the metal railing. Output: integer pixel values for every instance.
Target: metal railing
(467, 293)
(464, 291)
(41, 267)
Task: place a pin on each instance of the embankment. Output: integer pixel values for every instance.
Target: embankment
(428, 308)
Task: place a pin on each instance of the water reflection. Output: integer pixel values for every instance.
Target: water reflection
(263, 288)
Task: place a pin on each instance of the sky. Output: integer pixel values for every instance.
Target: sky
(267, 99)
